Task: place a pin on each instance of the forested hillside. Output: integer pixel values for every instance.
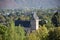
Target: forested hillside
(8, 30)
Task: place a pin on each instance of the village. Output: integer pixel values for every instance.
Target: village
(30, 21)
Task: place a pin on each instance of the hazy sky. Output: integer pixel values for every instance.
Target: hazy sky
(29, 3)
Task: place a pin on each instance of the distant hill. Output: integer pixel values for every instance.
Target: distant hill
(29, 4)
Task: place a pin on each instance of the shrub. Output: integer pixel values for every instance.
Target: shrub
(40, 34)
(14, 33)
(54, 34)
(11, 32)
(3, 29)
(32, 36)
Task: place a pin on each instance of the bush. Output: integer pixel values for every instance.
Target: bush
(33, 36)
(11, 32)
(40, 34)
(3, 29)
(54, 34)
(14, 33)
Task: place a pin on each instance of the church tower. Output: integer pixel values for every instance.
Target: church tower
(34, 21)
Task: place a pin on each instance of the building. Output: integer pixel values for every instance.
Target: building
(34, 21)
(33, 24)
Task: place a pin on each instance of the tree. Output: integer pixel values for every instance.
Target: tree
(3, 29)
(54, 34)
(55, 19)
(40, 34)
(14, 33)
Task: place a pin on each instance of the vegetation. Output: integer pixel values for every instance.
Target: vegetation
(54, 34)
(12, 32)
(8, 31)
(40, 34)
(18, 33)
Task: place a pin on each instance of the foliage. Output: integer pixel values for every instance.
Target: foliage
(12, 32)
(3, 29)
(15, 33)
(22, 17)
(33, 36)
(54, 34)
(40, 34)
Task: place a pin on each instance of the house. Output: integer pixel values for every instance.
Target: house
(33, 24)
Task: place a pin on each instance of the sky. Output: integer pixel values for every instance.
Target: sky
(29, 4)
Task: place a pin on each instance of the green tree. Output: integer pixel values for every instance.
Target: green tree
(54, 34)
(40, 34)
(3, 29)
(14, 33)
